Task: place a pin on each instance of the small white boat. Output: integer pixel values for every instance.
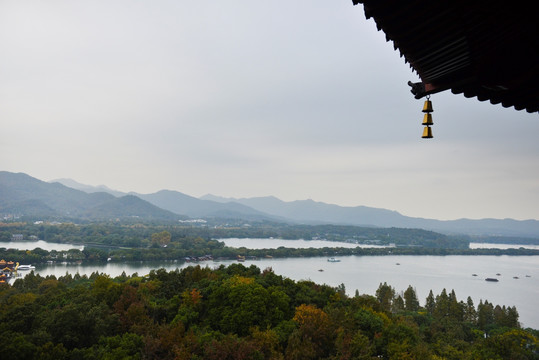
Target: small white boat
(26, 267)
(332, 259)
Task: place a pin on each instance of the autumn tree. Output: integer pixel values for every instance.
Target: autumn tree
(313, 337)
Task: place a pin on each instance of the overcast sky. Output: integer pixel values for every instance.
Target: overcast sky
(241, 98)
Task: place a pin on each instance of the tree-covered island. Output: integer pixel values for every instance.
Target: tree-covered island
(134, 241)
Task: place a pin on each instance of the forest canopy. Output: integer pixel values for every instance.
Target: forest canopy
(239, 312)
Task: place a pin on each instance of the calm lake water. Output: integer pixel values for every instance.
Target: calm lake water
(31, 245)
(250, 243)
(501, 246)
(365, 273)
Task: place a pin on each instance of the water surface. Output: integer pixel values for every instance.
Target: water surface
(253, 243)
(502, 246)
(31, 245)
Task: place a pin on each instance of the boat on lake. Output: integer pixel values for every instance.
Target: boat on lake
(491, 279)
(332, 259)
(26, 267)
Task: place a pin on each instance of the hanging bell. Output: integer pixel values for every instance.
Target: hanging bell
(427, 133)
(427, 107)
(427, 119)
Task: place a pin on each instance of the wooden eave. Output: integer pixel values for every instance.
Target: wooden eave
(488, 50)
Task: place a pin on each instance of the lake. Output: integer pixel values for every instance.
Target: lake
(365, 273)
(31, 245)
(252, 243)
(255, 243)
(502, 246)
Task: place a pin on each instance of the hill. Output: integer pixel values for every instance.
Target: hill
(88, 188)
(312, 212)
(179, 203)
(23, 195)
(182, 204)
(265, 208)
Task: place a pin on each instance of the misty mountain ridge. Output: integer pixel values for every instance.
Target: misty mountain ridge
(88, 188)
(310, 211)
(90, 201)
(313, 212)
(21, 194)
(180, 203)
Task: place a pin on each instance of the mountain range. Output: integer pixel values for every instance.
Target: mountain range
(23, 194)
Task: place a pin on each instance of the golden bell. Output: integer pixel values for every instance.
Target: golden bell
(427, 107)
(427, 133)
(427, 119)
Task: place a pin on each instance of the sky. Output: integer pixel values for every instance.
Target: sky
(294, 99)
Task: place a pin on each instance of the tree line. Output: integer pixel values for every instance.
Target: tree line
(164, 247)
(239, 312)
(126, 234)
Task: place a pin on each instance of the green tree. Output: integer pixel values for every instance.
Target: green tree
(239, 303)
(398, 304)
(401, 338)
(430, 303)
(161, 239)
(385, 295)
(411, 303)
(485, 315)
(470, 314)
(442, 305)
(456, 309)
(512, 344)
(119, 347)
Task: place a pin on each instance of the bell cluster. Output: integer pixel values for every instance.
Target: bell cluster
(427, 119)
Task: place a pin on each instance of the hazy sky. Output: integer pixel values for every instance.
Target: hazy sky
(296, 99)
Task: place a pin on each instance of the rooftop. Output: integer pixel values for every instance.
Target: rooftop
(483, 49)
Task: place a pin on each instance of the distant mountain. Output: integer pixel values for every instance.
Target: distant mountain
(88, 188)
(130, 206)
(312, 212)
(184, 204)
(309, 211)
(23, 195)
